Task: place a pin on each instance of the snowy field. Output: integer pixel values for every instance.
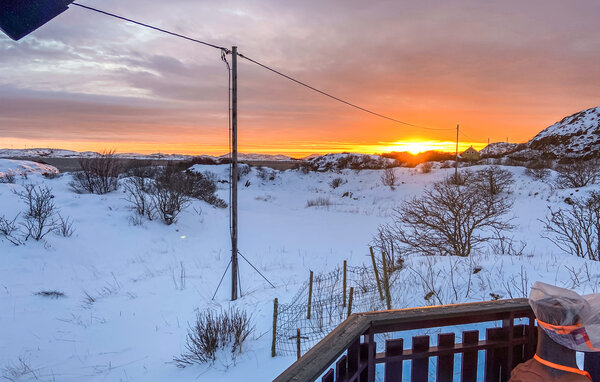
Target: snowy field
(125, 310)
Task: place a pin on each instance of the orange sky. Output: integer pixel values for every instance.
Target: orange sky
(503, 70)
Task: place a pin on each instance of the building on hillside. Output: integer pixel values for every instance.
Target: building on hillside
(470, 154)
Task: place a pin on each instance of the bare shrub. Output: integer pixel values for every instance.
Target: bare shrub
(40, 217)
(17, 371)
(261, 172)
(320, 201)
(9, 229)
(447, 220)
(202, 186)
(336, 182)
(137, 187)
(98, 175)
(55, 294)
(538, 173)
(170, 194)
(9, 177)
(65, 226)
(213, 332)
(577, 174)
(576, 229)
(383, 242)
(426, 167)
(459, 179)
(388, 178)
(493, 179)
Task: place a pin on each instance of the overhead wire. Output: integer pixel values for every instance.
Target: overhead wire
(337, 98)
(227, 51)
(153, 27)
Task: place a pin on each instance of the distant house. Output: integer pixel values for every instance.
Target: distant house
(470, 154)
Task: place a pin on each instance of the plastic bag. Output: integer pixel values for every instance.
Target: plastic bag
(568, 318)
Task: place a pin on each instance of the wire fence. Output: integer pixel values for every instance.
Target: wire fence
(328, 307)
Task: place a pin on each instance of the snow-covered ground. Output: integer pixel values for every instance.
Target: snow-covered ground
(125, 312)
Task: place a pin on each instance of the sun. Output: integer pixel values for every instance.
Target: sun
(415, 147)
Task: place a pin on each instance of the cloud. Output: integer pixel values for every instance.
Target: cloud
(502, 68)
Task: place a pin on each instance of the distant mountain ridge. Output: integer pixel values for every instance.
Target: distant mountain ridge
(60, 153)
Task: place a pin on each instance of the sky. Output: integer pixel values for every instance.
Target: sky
(501, 69)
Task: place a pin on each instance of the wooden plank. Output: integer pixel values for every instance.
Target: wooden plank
(445, 363)
(469, 359)
(419, 370)
(393, 369)
(341, 369)
(353, 358)
(317, 360)
(495, 359)
(328, 377)
(364, 359)
(518, 350)
(435, 351)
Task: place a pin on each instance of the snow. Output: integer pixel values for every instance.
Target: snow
(498, 149)
(141, 311)
(24, 168)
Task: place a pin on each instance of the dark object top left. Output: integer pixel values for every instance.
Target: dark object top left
(18, 18)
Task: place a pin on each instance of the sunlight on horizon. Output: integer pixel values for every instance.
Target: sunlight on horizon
(296, 149)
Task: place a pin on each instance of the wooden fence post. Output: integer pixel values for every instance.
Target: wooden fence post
(275, 307)
(310, 288)
(386, 282)
(344, 292)
(376, 273)
(350, 301)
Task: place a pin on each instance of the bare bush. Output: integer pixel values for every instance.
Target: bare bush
(9, 177)
(459, 178)
(576, 229)
(426, 167)
(40, 217)
(577, 174)
(64, 226)
(383, 242)
(388, 178)
(446, 220)
(202, 186)
(137, 187)
(98, 175)
(170, 194)
(9, 229)
(213, 332)
(493, 179)
(320, 201)
(336, 182)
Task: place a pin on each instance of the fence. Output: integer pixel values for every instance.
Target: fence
(348, 353)
(320, 305)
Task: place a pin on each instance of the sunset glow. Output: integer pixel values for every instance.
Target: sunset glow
(88, 82)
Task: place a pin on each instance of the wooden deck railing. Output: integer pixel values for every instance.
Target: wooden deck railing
(348, 353)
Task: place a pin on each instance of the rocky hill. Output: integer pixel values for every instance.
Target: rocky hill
(574, 137)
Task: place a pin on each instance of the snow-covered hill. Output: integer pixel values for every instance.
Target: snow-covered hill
(24, 168)
(574, 137)
(131, 289)
(498, 149)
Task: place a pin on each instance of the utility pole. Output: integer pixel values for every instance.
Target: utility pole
(456, 157)
(234, 177)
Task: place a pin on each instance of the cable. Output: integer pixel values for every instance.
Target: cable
(227, 51)
(337, 98)
(460, 131)
(155, 28)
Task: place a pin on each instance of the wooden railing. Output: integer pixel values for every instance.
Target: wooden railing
(348, 353)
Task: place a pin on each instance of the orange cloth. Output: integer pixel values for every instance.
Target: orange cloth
(533, 371)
